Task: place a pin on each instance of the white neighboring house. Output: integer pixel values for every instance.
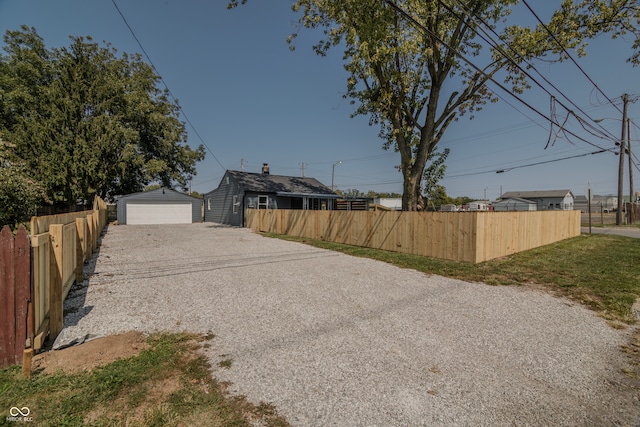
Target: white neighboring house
(547, 200)
(477, 206)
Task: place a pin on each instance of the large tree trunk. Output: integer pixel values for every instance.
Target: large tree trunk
(411, 193)
(412, 189)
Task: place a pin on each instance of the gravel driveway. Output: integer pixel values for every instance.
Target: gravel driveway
(334, 340)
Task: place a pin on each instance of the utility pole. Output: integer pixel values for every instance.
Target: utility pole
(242, 162)
(625, 101)
(333, 170)
(631, 194)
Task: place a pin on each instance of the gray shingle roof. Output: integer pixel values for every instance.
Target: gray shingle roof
(279, 183)
(517, 199)
(535, 194)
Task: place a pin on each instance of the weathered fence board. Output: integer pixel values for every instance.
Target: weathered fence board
(462, 236)
(7, 299)
(15, 294)
(24, 291)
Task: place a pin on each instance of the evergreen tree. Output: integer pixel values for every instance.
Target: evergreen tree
(90, 122)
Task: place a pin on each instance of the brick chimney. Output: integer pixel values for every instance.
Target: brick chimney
(265, 169)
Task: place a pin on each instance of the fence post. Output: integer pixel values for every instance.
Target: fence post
(55, 285)
(81, 247)
(91, 234)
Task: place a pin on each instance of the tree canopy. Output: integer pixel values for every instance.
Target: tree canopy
(408, 60)
(19, 194)
(87, 121)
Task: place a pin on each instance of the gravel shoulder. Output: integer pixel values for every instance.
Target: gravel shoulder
(330, 339)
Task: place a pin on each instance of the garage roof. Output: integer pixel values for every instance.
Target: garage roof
(164, 194)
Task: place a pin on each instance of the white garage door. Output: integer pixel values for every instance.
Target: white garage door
(178, 213)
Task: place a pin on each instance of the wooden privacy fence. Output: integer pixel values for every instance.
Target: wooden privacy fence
(55, 256)
(460, 236)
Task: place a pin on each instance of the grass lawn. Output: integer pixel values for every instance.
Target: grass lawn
(168, 384)
(600, 271)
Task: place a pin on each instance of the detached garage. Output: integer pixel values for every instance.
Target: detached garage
(161, 206)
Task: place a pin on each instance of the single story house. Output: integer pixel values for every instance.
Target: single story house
(241, 190)
(478, 205)
(514, 204)
(547, 200)
(161, 206)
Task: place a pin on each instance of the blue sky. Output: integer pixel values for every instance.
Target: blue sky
(249, 97)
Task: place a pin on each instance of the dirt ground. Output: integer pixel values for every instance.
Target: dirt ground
(86, 356)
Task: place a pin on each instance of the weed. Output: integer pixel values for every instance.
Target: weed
(225, 363)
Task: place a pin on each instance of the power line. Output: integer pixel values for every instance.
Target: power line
(479, 70)
(165, 83)
(502, 170)
(493, 43)
(527, 165)
(569, 55)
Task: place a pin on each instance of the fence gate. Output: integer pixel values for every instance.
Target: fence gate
(15, 295)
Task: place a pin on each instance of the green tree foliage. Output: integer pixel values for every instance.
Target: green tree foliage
(351, 193)
(438, 197)
(410, 80)
(434, 173)
(87, 121)
(19, 194)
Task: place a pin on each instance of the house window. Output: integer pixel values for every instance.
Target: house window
(208, 204)
(263, 202)
(236, 204)
(227, 180)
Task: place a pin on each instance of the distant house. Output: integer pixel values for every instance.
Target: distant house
(514, 204)
(548, 200)
(239, 191)
(477, 206)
